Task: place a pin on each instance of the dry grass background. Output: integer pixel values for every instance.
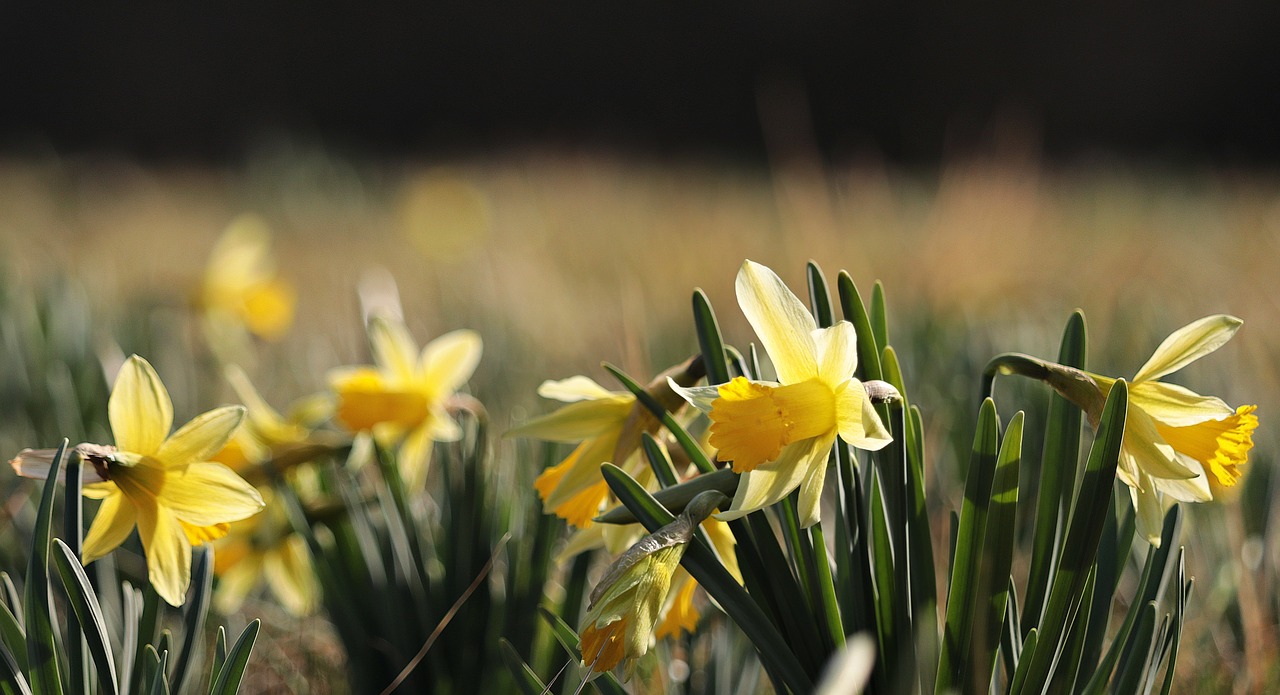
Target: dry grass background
(562, 260)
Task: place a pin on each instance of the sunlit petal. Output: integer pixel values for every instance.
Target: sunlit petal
(781, 321)
(111, 526)
(1150, 510)
(1188, 344)
(771, 482)
(201, 438)
(700, 397)
(1154, 456)
(140, 411)
(168, 552)
(1190, 489)
(208, 494)
(449, 361)
(837, 352)
(809, 506)
(576, 388)
(1176, 406)
(393, 348)
(414, 458)
(859, 423)
(577, 421)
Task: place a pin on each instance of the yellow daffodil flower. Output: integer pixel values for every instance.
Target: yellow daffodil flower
(779, 434)
(264, 547)
(165, 484)
(403, 398)
(608, 425)
(625, 604)
(266, 435)
(1177, 442)
(241, 287)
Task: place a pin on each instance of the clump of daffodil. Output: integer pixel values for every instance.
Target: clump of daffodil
(242, 290)
(779, 434)
(1177, 443)
(403, 398)
(267, 436)
(627, 600)
(165, 484)
(607, 426)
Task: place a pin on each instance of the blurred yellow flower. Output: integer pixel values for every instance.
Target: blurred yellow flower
(265, 547)
(779, 434)
(1177, 442)
(163, 483)
(241, 288)
(403, 398)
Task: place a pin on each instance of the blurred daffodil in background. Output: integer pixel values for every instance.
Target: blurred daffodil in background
(1177, 442)
(265, 547)
(779, 434)
(402, 399)
(242, 291)
(165, 484)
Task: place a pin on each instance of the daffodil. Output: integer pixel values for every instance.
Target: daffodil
(266, 435)
(264, 547)
(779, 434)
(241, 288)
(626, 602)
(165, 484)
(1176, 442)
(607, 425)
(403, 398)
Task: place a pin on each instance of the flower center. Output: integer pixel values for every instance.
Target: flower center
(1221, 445)
(751, 422)
(360, 409)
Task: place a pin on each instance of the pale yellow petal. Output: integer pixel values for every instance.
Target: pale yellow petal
(393, 348)
(809, 505)
(773, 481)
(235, 583)
(448, 361)
(584, 470)
(1176, 406)
(1150, 510)
(1153, 455)
(98, 491)
(576, 388)
(207, 494)
(859, 423)
(837, 352)
(700, 397)
(290, 576)
(1188, 344)
(441, 426)
(140, 411)
(414, 458)
(265, 421)
(1190, 489)
(581, 540)
(577, 421)
(201, 438)
(781, 321)
(112, 524)
(168, 553)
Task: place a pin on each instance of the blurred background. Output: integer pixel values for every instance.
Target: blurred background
(560, 177)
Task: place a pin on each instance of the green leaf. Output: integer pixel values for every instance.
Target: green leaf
(702, 563)
(997, 556)
(1133, 669)
(525, 678)
(88, 613)
(819, 298)
(11, 634)
(157, 669)
(1057, 475)
(12, 681)
(72, 529)
(228, 682)
(709, 340)
(11, 598)
(677, 497)
(1080, 549)
(855, 313)
(962, 594)
(195, 612)
(661, 465)
(1024, 662)
(42, 651)
(219, 655)
(879, 317)
(696, 455)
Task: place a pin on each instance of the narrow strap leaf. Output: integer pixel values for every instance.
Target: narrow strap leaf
(42, 651)
(88, 613)
(232, 672)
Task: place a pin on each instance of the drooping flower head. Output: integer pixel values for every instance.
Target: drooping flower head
(162, 483)
(779, 434)
(403, 398)
(627, 601)
(1176, 442)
